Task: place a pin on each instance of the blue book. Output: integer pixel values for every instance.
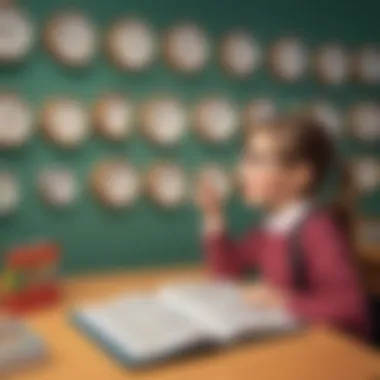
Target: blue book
(146, 328)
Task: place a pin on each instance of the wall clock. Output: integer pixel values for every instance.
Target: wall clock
(16, 121)
(289, 59)
(332, 64)
(16, 34)
(366, 174)
(167, 185)
(114, 116)
(216, 120)
(65, 122)
(258, 111)
(116, 183)
(218, 177)
(131, 44)
(364, 121)
(9, 192)
(328, 116)
(164, 120)
(367, 65)
(71, 38)
(240, 54)
(57, 186)
(186, 48)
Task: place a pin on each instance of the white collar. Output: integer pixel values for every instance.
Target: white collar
(286, 220)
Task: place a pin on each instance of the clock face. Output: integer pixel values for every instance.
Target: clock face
(216, 120)
(167, 185)
(116, 183)
(289, 59)
(16, 35)
(114, 116)
(187, 48)
(217, 177)
(366, 174)
(332, 64)
(259, 111)
(327, 116)
(9, 192)
(57, 186)
(16, 121)
(71, 38)
(131, 44)
(240, 54)
(365, 121)
(367, 65)
(164, 121)
(65, 122)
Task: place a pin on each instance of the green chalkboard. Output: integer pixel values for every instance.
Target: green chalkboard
(94, 237)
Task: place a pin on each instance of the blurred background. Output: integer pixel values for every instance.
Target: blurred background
(107, 117)
(94, 236)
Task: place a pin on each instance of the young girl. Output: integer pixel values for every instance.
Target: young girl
(284, 165)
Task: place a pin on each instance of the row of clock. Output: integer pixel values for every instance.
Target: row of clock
(118, 184)
(164, 119)
(133, 45)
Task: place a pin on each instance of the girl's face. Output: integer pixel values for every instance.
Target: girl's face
(265, 180)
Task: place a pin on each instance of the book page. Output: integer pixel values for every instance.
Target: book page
(142, 326)
(219, 309)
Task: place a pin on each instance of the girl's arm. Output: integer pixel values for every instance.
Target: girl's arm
(335, 296)
(226, 257)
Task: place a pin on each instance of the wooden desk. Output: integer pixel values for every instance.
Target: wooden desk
(314, 355)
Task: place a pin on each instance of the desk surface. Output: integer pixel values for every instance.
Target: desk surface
(313, 355)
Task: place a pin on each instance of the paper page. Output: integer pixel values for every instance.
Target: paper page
(219, 309)
(141, 326)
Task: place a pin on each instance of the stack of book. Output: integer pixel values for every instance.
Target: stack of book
(19, 346)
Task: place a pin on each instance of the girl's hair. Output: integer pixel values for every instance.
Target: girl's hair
(301, 139)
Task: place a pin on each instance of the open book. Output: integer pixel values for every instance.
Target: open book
(144, 328)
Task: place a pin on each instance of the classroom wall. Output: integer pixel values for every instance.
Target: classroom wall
(94, 237)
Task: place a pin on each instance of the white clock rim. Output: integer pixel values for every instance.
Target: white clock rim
(146, 108)
(16, 183)
(46, 123)
(150, 185)
(51, 46)
(358, 57)
(32, 32)
(223, 51)
(31, 127)
(352, 114)
(273, 57)
(97, 177)
(312, 107)
(167, 51)
(364, 161)
(115, 58)
(321, 74)
(99, 120)
(200, 130)
(50, 199)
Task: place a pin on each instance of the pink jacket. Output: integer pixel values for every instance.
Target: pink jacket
(335, 296)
